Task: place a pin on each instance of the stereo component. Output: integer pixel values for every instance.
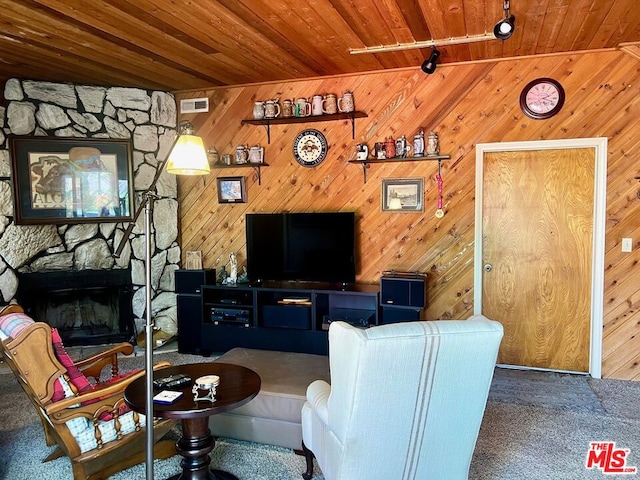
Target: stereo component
(230, 316)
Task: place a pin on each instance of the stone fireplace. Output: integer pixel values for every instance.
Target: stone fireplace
(148, 119)
(88, 307)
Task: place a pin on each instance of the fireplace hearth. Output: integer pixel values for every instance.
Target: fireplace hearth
(88, 307)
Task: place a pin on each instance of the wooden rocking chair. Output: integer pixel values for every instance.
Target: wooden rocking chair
(93, 427)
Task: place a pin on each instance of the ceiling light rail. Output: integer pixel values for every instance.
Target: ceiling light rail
(424, 44)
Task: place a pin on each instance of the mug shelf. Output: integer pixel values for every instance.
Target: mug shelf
(267, 122)
(365, 163)
(256, 167)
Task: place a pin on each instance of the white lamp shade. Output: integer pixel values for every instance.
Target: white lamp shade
(188, 157)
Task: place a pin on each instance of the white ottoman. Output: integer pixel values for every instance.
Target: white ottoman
(274, 415)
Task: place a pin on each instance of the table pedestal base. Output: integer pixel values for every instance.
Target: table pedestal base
(194, 445)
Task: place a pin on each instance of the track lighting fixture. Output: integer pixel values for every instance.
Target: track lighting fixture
(502, 31)
(504, 28)
(429, 65)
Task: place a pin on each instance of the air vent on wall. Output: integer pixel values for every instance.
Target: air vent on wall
(194, 105)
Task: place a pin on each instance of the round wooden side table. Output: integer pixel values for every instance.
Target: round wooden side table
(237, 386)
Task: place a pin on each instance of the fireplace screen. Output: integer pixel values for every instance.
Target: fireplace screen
(87, 308)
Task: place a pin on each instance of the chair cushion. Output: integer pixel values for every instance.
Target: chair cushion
(77, 378)
(13, 324)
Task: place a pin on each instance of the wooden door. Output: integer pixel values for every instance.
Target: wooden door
(537, 236)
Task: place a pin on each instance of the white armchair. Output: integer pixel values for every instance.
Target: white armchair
(405, 402)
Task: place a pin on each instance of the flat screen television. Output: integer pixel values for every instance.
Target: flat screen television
(306, 247)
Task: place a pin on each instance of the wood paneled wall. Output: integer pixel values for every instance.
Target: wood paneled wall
(465, 104)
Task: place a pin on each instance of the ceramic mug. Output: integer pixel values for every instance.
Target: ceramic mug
(256, 154)
(378, 151)
(433, 147)
(330, 104)
(316, 105)
(303, 108)
(345, 103)
(271, 109)
(362, 151)
(258, 110)
(287, 108)
(242, 154)
(389, 148)
(213, 156)
(418, 144)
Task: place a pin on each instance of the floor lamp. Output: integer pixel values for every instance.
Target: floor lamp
(186, 156)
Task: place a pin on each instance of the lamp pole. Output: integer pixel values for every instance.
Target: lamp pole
(147, 204)
(149, 199)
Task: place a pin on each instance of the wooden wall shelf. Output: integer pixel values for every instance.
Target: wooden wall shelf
(426, 158)
(256, 167)
(267, 122)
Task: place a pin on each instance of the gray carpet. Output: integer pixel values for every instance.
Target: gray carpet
(536, 426)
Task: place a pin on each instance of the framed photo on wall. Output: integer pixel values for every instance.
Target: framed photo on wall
(402, 195)
(231, 190)
(71, 180)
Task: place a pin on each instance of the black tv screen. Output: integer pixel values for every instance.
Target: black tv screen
(308, 247)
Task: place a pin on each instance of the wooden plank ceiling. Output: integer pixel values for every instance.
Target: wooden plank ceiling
(186, 44)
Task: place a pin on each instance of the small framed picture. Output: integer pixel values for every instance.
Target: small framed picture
(402, 195)
(231, 190)
(194, 260)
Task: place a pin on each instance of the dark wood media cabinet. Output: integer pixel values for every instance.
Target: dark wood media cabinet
(278, 317)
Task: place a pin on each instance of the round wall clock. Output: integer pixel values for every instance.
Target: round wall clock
(310, 148)
(542, 98)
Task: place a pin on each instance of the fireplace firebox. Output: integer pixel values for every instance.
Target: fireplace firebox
(88, 307)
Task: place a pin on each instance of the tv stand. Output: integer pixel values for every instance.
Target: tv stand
(291, 317)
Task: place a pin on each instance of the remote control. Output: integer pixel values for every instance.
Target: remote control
(172, 381)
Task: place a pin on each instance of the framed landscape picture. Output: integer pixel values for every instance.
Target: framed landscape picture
(231, 190)
(71, 180)
(403, 195)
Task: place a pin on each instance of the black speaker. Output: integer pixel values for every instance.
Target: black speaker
(403, 291)
(189, 323)
(190, 281)
(400, 314)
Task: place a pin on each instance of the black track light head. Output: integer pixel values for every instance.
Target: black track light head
(429, 65)
(504, 28)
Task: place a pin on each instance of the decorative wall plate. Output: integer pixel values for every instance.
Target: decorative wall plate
(310, 148)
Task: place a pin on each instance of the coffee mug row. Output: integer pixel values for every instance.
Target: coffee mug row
(303, 107)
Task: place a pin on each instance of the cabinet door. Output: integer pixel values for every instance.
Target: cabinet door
(189, 323)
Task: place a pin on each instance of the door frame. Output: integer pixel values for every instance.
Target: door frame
(599, 217)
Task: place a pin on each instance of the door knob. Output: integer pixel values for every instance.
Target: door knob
(488, 267)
